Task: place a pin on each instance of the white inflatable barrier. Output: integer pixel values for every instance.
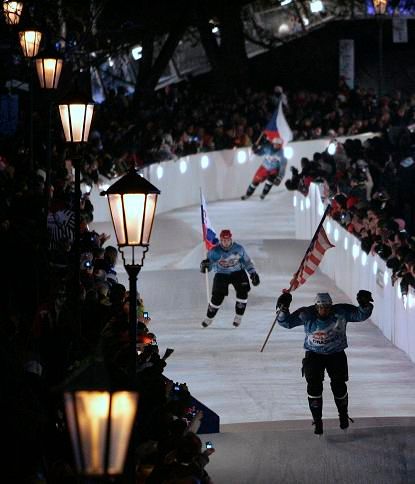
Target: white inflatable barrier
(352, 269)
(222, 175)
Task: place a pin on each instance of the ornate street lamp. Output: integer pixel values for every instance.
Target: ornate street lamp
(380, 6)
(49, 68)
(30, 41)
(132, 201)
(12, 12)
(100, 422)
(76, 116)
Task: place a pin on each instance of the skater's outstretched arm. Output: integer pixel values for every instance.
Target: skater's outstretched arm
(359, 313)
(287, 320)
(297, 318)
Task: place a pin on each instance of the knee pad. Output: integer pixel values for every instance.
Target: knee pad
(211, 311)
(267, 187)
(214, 305)
(315, 402)
(314, 388)
(316, 407)
(240, 306)
(339, 388)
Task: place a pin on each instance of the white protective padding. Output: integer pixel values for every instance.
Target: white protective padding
(226, 177)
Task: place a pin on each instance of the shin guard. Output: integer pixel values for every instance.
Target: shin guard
(316, 407)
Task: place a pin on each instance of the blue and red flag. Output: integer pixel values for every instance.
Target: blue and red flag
(209, 235)
(278, 127)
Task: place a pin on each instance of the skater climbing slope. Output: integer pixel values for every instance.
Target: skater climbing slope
(230, 262)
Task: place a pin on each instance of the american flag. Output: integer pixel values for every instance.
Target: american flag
(314, 255)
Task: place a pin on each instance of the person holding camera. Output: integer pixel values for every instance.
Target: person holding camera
(185, 463)
(325, 341)
(272, 169)
(230, 262)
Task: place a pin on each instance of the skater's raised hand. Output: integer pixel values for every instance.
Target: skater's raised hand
(204, 265)
(364, 298)
(255, 279)
(284, 301)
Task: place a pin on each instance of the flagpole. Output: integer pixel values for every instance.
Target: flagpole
(312, 241)
(206, 272)
(207, 286)
(255, 145)
(259, 138)
(270, 331)
(296, 274)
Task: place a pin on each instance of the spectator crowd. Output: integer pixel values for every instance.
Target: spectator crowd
(371, 185)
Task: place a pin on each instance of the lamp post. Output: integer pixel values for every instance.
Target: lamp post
(76, 116)
(100, 421)
(132, 201)
(49, 68)
(380, 10)
(12, 11)
(30, 39)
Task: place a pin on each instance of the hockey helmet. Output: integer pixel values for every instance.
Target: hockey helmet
(225, 234)
(323, 299)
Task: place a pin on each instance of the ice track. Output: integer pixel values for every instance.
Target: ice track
(263, 392)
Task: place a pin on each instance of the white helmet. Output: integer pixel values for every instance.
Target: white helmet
(323, 299)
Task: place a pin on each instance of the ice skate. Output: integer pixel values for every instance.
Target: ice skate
(342, 407)
(237, 320)
(244, 197)
(207, 322)
(318, 427)
(262, 196)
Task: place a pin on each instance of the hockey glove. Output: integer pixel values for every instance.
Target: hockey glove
(255, 279)
(284, 301)
(364, 298)
(204, 265)
(277, 180)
